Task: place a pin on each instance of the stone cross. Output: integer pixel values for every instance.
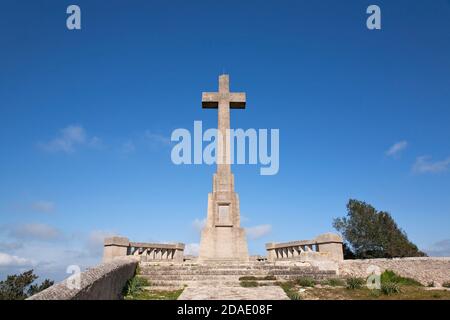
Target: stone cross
(222, 237)
(224, 100)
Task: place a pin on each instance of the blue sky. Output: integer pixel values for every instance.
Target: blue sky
(86, 118)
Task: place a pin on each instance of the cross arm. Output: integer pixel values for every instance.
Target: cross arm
(210, 100)
(237, 100)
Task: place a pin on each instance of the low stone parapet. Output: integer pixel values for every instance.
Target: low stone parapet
(103, 282)
(325, 247)
(147, 252)
(426, 270)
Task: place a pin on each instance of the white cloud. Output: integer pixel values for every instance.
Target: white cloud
(43, 206)
(156, 139)
(192, 249)
(128, 147)
(7, 260)
(396, 148)
(95, 240)
(69, 138)
(199, 224)
(50, 259)
(440, 249)
(257, 232)
(35, 231)
(424, 164)
(10, 246)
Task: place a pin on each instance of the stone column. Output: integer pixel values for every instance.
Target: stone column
(331, 244)
(178, 255)
(115, 247)
(271, 253)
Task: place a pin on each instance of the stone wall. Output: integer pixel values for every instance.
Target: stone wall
(103, 282)
(424, 270)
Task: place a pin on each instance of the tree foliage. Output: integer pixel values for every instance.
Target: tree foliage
(373, 234)
(20, 286)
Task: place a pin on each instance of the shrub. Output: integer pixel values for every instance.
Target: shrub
(430, 284)
(248, 284)
(446, 284)
(290, 290)
(390, 276)
(135, 286)
(375, 293)
(270, 277)
(354, 283)
(389, 288)
(247, 278)
(295, 296)
(305, 282)
(334, 282)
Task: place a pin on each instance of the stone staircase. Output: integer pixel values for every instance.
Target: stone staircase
(225, 274)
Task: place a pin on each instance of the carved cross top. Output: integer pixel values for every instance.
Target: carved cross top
(213, 100)
(224, 100)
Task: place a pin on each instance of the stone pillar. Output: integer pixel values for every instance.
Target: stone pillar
(178, 255)
(271, 253)
(115, 247)
(330, 243)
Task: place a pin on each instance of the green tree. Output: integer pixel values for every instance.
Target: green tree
(20, 286)
(373, 234)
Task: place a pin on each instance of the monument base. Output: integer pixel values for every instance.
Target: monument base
(223, 244)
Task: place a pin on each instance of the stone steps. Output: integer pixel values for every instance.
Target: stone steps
(229, 272)
(167, 287)
(176, 276)
(192, 283)
(206, 268)
(228, 266)
(153, 278)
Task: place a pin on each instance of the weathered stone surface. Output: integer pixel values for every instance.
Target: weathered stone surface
(325, 247)
(424, 270)
(163, 252)
(227, 274)
(103, 282)
(233, 293)
(222, 237)
(115, 247)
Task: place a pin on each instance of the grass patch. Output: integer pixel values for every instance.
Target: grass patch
(136, 289)
(406, 293)
(290, 290)
(156, 295)
(389, 288)
(134, 286)
(390, 276)
(334, 282)
(354, 283)
(248, 284)
(253, 278)
(305, 282)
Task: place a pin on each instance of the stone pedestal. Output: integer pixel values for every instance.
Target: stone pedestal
(178, 254)
(331, 244)
(115, 247)
(222, 237)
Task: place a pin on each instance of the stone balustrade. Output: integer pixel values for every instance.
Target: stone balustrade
(147, 252)
(324, 247)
